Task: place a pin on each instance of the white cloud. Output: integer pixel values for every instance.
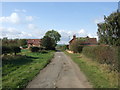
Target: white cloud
(82, 31)
(20, 19)
(13, 33)
(29, 18)
(65, 36)
(16, 18)
(25, 35)
(13, 18)
(9, 32)
(99, 20)
(93, 36)
(89, 35)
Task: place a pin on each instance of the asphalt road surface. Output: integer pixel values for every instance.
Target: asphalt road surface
(62, 72)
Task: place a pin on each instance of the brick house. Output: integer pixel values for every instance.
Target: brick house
(33, 42)
(88, 41)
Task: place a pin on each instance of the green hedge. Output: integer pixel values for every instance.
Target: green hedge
(10, 49)
(15, 49)
(6, 49)
(61, 47)
(34, 49)
(76, 46)
(103, 54)
(25, 46)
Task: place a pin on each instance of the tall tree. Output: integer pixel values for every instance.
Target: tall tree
(109, 30)
(54, 35)
(48, 43)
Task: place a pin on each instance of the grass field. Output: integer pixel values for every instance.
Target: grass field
(18, 70)
(98, 74)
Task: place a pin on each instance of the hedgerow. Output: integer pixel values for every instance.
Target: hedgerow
(34, 49)
(10, 49)
(103, 54)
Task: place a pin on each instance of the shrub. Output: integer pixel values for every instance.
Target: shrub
(103, 54)
(22, 42)
(15, 49)
(43, 51)
(34, 49)
(25, 46)
(76, 46)
(61, 47)
(42, 48)
(6, 49)
(10, 49)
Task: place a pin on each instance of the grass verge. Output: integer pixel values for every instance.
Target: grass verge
(17, 71)
(98, 74)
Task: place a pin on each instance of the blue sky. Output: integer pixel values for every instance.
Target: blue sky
(33, 19)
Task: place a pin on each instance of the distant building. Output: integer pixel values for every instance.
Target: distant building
(88, 41)
(74, 38)
(33, 42)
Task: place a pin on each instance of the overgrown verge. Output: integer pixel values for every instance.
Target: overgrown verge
(19, 70)
(98, 74)
(104, 55)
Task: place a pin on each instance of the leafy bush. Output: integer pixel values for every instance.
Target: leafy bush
(42, 48)
(10, 46)
(22, 42)
(34, 49)
(62, 47)
(16, 49)
(103, 54)
(25, 46)
(43, 51)
(6, 49)
(10, 49)
(76, 46)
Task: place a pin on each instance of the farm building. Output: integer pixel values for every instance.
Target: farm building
(87, 41)
(33, 42)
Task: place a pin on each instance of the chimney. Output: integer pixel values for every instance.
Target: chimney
(74, 36)
(87, 37)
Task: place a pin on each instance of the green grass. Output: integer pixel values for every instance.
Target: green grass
(18, 70)
(98, 74)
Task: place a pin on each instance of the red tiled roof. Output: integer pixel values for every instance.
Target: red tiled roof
(34, 41)
(87, 42)
(91, 40)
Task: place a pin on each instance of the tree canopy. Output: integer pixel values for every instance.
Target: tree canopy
(109, 30)
(23, 42)
(54, 35)
(48, 43)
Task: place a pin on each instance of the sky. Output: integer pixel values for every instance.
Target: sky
(32, 20)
